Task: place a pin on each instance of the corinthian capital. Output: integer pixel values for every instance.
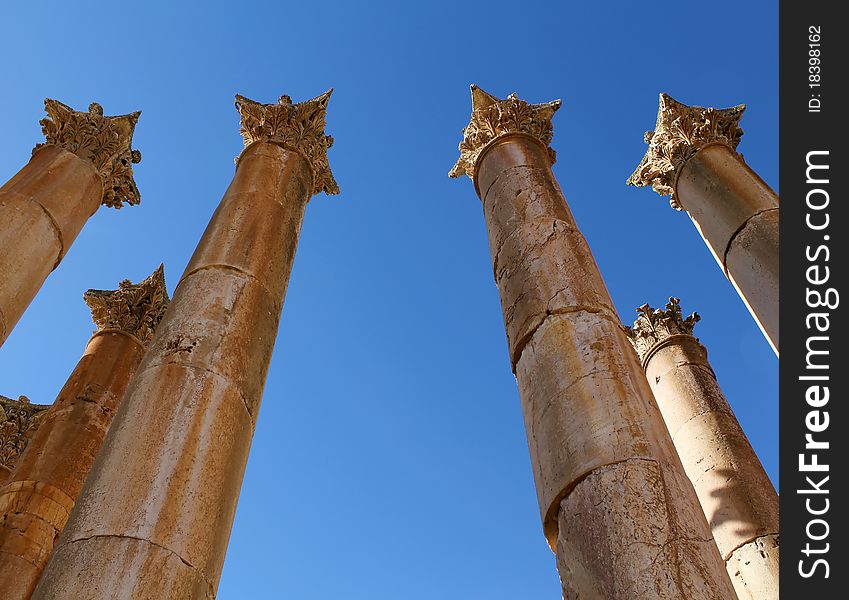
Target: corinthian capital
(680, 132)
(105, 141)
(493, 118)
(136, 308)
(19, 419)
(298, 127)
(655, 325)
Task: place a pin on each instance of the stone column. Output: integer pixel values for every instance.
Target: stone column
(39, 495)
(86, 161)
(692, 157)
(154, 518)
(735, 492)
(616, 505)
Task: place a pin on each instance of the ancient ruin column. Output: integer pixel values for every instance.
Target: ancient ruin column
(615, 502)
(154, 517)
(692, 157)
(735, 492)
(86, 161)
(39, 495)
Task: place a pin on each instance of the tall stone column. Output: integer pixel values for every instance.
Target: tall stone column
(85, 161)
(39, 495)
(154, 517)
(692, 157)
(735, 492)
(615, 503)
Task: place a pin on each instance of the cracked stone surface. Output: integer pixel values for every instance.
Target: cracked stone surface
(534, 241)
(725, 199)
(178, 448)
(42, 208)
(614, 500)
(623, 519)
(736, 495)
(41, 492)
(585, 404)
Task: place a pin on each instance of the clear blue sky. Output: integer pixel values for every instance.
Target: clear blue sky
(390, 458)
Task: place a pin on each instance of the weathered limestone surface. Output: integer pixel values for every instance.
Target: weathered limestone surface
(37, 499)
(162, 495)
(692, 157)
(625, 516)
(736, 495)
(615, 502)
(754, 569)
(737, 215)
(85, 161)
(19, 420)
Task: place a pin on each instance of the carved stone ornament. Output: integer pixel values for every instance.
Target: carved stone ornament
(105, 141)
(655, 325)
(136, 308)
(493, 118)
(19, 420)
(297, 127)
(680, 132)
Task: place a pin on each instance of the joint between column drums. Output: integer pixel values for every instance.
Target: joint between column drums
(20, 557)
(146, 541)
(51, 492)
(751, 540)
(701, 366)
(227, 267)
(550, 526)
(61, 254)
(734, 236)
(214, 266)
(602, 310)
(251, 416)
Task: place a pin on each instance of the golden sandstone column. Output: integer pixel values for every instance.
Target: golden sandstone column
(736, 494)
(616, 505)
(39, 495)
(86, 161)
(154, 517)
(692, 157)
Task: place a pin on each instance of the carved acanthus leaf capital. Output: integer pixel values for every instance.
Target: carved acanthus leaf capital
(136, 308)
(655, 325)
(19, 419)
(105, 141)
(680, 132)
(493, 118)
(298, 127)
